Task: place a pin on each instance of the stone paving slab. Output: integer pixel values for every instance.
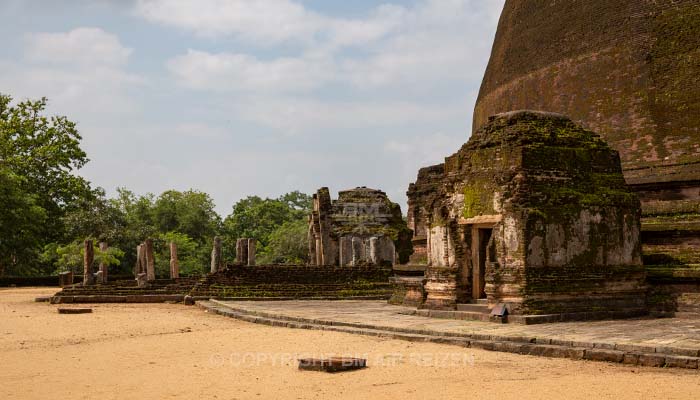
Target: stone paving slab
(678, 336)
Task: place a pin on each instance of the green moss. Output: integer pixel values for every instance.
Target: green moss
(472, 203)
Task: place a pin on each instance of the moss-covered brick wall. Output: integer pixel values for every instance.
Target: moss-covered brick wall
(628, 69)
(566, 233)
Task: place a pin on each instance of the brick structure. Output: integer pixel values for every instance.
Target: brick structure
(630, 70)
(533, 213)
(362, 227)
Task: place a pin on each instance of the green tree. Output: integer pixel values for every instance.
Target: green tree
(21, 224)
(70, 257)
(190, 212)
(289, 244)
(40, 154)
(188, 254)
(95, 216)
(258, 218)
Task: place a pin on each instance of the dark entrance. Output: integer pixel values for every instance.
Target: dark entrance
(480, 285)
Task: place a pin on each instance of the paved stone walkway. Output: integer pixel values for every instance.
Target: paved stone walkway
(680, 336)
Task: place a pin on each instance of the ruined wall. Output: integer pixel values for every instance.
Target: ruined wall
(361, 227)
(566, 233)
(419, 195)
(627, 69)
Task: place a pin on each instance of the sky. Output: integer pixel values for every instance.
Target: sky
(253, 97)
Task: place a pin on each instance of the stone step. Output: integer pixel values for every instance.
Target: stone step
(479, 308)
(634, 355)
(458, 315)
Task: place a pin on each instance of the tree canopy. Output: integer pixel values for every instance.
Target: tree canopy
(47, 210)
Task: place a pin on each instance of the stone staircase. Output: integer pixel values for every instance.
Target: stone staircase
(281, 282)
(158, 291)
(477, 310)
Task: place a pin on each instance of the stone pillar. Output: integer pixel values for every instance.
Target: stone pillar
(150, 260)
(345, 256)
(375, 256)
(88, 259)
(139, 257)
(216, 261)
(356, 251)
(242, 251)
(174, 265)
(251, 252)
(319, 251)
(103, 267)
(312, 250)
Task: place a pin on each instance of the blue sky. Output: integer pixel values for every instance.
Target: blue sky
(244, 97)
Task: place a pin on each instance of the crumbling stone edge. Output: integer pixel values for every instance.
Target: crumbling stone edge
(627, 354)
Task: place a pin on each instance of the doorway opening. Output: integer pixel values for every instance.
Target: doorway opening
(482, 236)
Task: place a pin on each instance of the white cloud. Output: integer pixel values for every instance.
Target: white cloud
(297, 115)
(269, 21)
(82, 72)
(433, 43)
(241, 72)
(83, 46)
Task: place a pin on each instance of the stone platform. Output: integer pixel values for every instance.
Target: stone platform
(667, 342)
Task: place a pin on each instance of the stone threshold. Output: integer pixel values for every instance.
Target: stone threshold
(628, 354)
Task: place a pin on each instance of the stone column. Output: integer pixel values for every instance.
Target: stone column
(174, 266)
(150, 260)
(139, 256)
(88, 259)
(103, 267)
(242, 251)
(356, 251)
(252, 244)
(345, 256)
(375, 256)
(319, 251)
(216, 262)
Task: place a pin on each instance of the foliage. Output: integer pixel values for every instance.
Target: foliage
(21, 221)
(38, 156)
(47, 210)
(257, 218)
(190, 212)
(289, 244)
(70, 257)
(188, 254)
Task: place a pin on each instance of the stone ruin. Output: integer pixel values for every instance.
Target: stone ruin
(245, 251)
(628, 69)
(533, 216)
(361, 227)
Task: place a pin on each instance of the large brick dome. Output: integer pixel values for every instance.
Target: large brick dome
(627, 69)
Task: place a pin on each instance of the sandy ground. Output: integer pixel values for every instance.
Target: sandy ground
(173, 351)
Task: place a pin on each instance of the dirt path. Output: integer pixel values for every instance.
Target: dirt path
(173, 351)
